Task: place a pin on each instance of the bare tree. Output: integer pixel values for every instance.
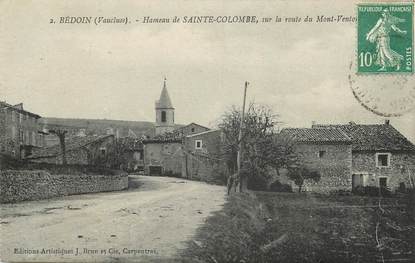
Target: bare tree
(61, 135)
(262, 147)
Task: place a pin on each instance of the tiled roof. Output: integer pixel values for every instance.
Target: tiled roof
(373, 137)
(131, 143)
(71, 143)
(312, 135)
(163, 138)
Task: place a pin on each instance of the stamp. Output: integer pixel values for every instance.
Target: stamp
(385, 38)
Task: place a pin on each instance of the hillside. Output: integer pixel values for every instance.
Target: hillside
(99, 126)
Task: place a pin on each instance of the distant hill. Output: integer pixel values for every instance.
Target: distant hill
(100, 126)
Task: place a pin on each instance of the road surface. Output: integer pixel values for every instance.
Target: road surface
(149, 222)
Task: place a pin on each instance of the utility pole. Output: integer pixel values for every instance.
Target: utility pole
(239, 154)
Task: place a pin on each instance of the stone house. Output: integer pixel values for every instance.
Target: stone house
(82, 150)
(202, 159)
(189, 129)
(162, 156)
(352, 155)
(19, 132)
(381, 155)
(328, 151)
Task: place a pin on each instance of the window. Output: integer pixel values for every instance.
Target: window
(163, 116)
(102, 150)
(198, 144)
(193, 129)
(321, 154)
(383, 159)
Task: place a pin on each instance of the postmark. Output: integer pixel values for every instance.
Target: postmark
(385, 38)
(386, 95)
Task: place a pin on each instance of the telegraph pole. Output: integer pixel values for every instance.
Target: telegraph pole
(239, 154)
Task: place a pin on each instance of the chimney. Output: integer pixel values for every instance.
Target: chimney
(387, 121)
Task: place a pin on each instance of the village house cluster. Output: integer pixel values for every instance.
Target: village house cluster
(346, 155)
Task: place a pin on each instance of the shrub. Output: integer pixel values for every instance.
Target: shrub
(277, 186)
(371, 191)
(257, 183)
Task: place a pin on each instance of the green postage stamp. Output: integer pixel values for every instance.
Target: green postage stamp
(385, 38)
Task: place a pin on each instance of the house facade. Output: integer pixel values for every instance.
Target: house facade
(192, 128)
(202, 159)
(19, 132)
(382, 156)
(162, 156)
(352, 155)
(327, 151)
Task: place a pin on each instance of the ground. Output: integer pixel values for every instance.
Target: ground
(156, 214)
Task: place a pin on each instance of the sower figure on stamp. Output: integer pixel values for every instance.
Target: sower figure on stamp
(385, 56)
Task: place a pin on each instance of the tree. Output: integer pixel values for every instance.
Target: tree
(262, 147)
(61, 135)
(302, 173)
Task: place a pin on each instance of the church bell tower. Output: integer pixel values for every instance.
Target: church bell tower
(164, 112)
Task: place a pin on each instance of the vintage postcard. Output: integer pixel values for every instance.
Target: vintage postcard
(207, 131)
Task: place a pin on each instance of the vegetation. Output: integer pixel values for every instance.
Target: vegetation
(266, 226)
(302, 173)
(262, 149)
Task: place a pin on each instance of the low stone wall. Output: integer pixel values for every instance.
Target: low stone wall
(21, 185)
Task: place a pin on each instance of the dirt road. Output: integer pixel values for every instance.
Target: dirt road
(150, 221)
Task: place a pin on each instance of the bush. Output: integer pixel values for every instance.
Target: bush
(257, 183)
(371, 191)
(277, 186)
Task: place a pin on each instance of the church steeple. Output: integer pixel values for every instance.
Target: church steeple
(164, 112)
(164, 102)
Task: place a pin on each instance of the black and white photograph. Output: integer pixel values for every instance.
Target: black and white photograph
(207, 131)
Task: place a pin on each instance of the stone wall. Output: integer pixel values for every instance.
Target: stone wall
(402, 166)
(334, 166)
(22, 185)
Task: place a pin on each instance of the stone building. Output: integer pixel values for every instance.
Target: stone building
(19, 132)
(328, 151)
(82, 150)
(202, 159)
(352, 155)
(189, 129)
(381, 155)
(162, 156)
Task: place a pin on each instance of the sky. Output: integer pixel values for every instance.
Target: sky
(116, 71)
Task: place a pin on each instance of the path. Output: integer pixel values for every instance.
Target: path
(150, 221)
